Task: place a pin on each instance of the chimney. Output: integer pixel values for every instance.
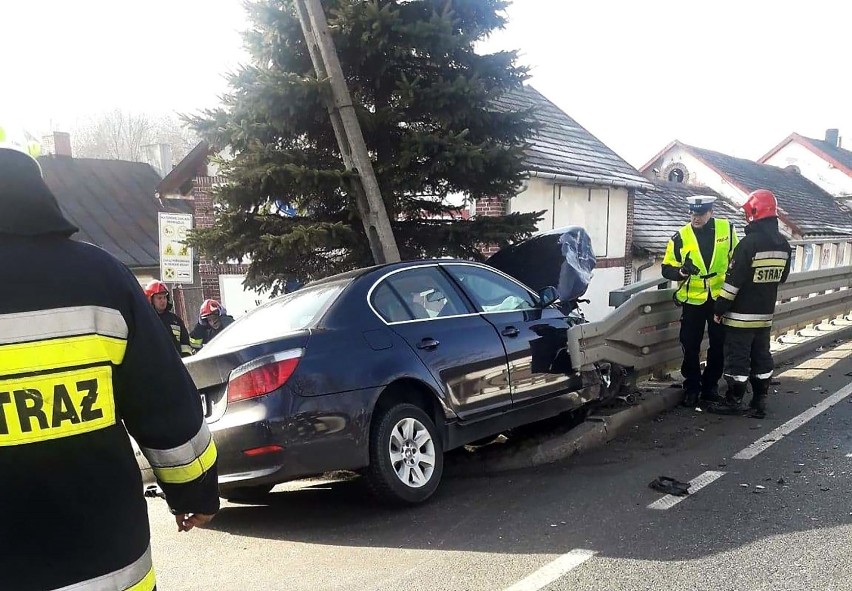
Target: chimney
(159, 156)
(57, 144)
(832, 136)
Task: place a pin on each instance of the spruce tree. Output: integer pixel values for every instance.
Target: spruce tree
(424, 100)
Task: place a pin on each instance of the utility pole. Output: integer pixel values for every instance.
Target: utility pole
(347, 130)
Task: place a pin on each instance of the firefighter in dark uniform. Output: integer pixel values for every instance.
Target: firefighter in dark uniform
(760, 265)
(212, 319)
(697, 258)
(83, 361)
(159, 296)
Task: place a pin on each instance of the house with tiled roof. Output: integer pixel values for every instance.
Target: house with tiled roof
(805, 209)
(577, 180)
(824, 162)
(112, 203)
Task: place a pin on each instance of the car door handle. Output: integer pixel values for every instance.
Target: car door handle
(510, 331)
(428, 344)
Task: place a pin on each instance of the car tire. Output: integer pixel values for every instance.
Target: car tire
(403, 443)
(248, 494)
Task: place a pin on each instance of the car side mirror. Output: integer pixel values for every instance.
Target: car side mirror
(548, 296)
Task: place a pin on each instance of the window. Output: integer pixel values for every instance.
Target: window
(676, 176)
(490, 291)
(421, 293)
(294, 311)
(389, 305)
(676, 173)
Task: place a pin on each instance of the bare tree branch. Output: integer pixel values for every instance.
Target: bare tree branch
(121, 135)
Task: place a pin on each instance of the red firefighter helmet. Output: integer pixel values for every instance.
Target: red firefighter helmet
(156, 287)
(761, 204)
(210, 308)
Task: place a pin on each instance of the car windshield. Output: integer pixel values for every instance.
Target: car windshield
(295, 311)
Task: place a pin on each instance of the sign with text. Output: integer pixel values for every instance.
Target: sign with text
(175, 255)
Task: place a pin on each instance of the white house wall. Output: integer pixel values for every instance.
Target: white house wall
(813, 168)
(602, 211)
(603, 282)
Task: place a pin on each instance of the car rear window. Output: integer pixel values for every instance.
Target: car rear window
(295, 311)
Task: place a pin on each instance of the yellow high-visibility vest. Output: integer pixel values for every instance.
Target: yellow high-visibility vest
(695, 289)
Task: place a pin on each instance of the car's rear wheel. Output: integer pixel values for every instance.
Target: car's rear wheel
(406, 456)
(247, 494)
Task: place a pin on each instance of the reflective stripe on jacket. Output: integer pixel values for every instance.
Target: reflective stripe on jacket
(761, 263)
(695, 289)
(83, 361)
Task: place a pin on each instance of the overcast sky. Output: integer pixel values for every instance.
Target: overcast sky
(734, 76)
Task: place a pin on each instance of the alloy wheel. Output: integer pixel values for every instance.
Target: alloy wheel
(412, 452)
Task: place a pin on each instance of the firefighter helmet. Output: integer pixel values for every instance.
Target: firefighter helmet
(761, 204)
(156, 287)
(210, 308)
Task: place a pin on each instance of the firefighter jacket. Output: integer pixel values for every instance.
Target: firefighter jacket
(695, 289)
(761, 263)
(203, 333)
(84, 361)
(177, 330)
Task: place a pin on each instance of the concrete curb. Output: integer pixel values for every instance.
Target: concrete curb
(813, 343)
(593, 433)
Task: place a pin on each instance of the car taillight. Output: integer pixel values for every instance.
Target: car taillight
(262, 375)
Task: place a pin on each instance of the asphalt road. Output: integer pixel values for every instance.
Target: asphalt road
(583, 524)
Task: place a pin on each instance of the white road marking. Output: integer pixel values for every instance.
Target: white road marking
(552, 571)
(696, 484)
(773, 436)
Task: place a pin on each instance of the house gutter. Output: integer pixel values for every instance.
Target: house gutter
(642, 267)
(586, 180)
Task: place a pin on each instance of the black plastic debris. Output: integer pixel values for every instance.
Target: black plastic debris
(153, 491)
(670, 486)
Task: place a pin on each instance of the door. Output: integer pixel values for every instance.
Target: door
(535, 338)
(463, 351)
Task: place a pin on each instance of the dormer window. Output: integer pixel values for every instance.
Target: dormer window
(676, 173)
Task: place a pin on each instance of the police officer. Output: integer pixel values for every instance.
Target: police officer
(760, 265)
(212, 319)
(697, 258)
(159, 296)
(82, 357)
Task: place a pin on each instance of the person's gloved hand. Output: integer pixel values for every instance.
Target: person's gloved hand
(689, 268)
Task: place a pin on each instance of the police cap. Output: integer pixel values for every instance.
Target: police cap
(700, 203)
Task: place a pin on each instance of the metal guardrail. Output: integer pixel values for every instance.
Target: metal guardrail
(643, 332)
(619, 296)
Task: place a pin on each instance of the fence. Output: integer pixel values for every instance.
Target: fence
(812, 254)
(643, 331)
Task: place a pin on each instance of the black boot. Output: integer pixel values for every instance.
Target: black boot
(710, 397)
(733, 400)
(690, 399)
(760, 390)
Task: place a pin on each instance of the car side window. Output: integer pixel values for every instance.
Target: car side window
(491, 291)
(389, 305)
(421, 293)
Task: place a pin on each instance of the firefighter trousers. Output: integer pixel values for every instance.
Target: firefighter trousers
(747, 354)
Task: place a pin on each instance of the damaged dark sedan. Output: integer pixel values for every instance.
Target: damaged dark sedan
(382, 370)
